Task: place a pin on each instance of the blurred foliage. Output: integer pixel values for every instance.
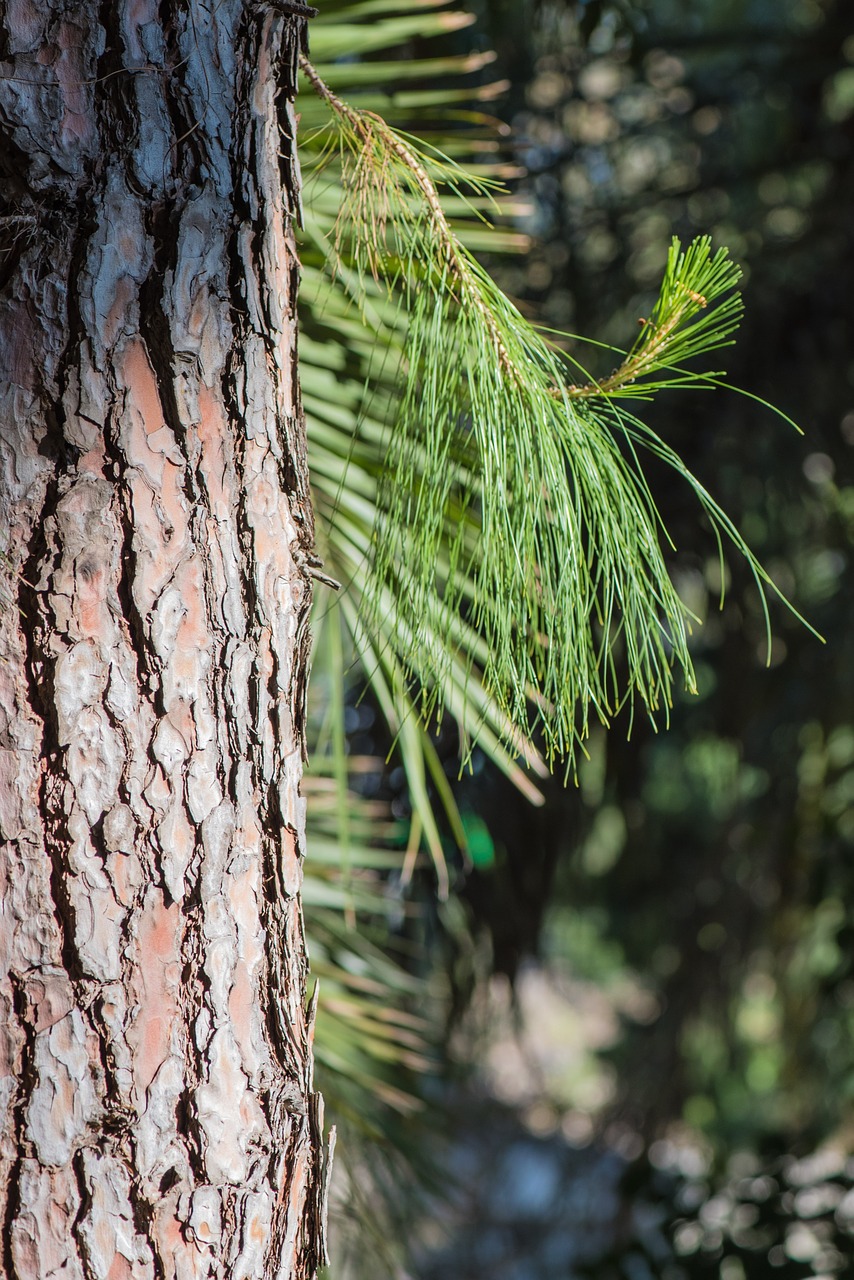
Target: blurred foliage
(716, 861)
(779, 1215)
(535, 1205)
(711, 865)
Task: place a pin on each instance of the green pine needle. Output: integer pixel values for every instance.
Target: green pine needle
(512, 496)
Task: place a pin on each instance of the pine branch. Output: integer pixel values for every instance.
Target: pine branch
(511, 497)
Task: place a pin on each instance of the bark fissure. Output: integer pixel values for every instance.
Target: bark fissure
(23, 1086)
(41, 560)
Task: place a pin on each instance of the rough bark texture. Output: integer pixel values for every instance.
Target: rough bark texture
(156, 1102)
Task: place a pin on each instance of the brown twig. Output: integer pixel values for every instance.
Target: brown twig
(366, 125)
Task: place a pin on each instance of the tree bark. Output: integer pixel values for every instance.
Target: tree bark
(158, 1114)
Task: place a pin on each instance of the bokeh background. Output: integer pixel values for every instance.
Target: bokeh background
(648, 1069)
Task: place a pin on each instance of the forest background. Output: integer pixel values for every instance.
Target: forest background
(685, 912)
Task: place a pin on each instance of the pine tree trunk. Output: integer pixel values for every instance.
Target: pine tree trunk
(158, 1116)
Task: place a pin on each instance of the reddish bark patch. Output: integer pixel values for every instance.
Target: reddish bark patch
(50, 998)
(17, 344)
(240, 1002)
(212, 429)
(120, 1268)
(93, 461)
(158, 950)
(192, 638)
(140, 381)
(77, 122)
(26, 22)
(291, 867)
(90, 581)
(138, 13)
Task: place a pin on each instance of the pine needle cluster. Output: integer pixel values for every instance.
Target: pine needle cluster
(515, 533)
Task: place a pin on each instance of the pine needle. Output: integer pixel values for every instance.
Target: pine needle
(511, 496)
